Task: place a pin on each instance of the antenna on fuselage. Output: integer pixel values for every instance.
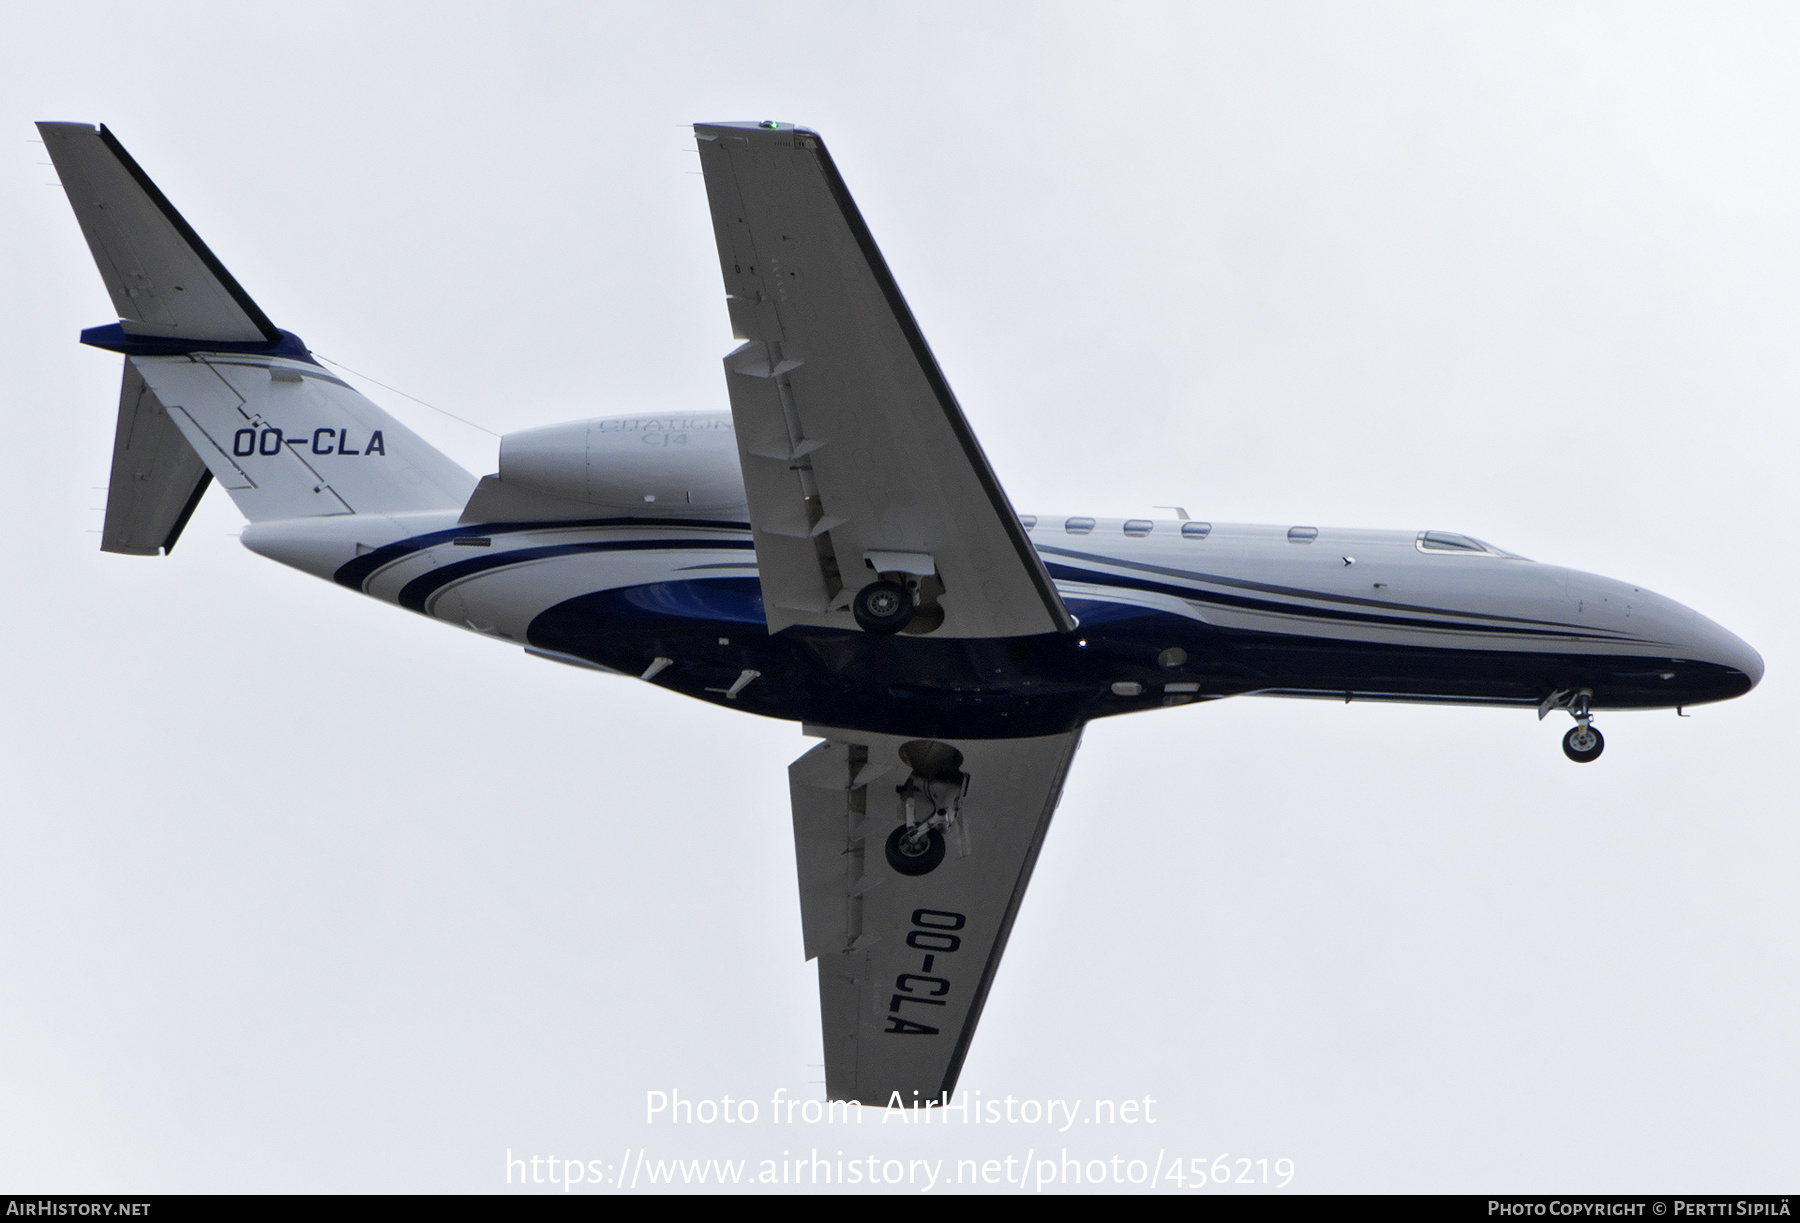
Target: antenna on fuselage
(1179, 512)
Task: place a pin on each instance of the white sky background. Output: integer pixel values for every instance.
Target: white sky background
(303, 892)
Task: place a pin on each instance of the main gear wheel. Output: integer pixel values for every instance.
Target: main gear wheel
(883, 607)
(915, 851)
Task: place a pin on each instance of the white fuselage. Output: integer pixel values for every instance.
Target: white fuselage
(1284, 610)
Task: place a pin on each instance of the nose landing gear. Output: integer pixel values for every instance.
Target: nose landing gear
(1583, 744)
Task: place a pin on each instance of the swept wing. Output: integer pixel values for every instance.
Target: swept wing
(857, 459)
(905, 961)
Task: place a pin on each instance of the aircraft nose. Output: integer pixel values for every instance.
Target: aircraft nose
(1724, 648)
(1725, 665)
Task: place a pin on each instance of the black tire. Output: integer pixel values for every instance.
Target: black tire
(1582, 752)
(883, 607)
(921, 863)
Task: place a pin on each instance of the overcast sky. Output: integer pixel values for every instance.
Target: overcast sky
(303, 892)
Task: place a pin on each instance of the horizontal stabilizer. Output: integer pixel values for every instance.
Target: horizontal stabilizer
(161, 277)
(157, 479)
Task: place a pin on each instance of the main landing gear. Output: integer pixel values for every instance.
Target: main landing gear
(932, 797)
(1583, 744)
(883, 608)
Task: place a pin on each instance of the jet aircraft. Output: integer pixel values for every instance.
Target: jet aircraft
(835, 550)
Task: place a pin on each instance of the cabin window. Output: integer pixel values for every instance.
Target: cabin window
(1302, 535)
(1196, 530)
(1028, 521)
(1079, 526)
(1137, 528)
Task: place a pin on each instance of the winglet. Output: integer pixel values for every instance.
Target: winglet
(163, 280)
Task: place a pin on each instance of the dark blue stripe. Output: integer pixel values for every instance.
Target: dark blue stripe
(354, 573)
(114, 338)
(417, 592)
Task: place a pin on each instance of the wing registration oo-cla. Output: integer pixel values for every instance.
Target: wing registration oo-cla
(914, 855)
(859, 466)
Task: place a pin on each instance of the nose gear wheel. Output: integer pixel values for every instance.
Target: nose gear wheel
(1583, 744)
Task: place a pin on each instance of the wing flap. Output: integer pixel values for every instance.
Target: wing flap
(906, 960)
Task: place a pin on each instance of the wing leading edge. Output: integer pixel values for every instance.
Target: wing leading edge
(857, 459)
(906, 961)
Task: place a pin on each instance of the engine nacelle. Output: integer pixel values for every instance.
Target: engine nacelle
(640, 464)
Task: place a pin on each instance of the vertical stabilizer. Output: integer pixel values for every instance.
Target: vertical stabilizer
(287, 439)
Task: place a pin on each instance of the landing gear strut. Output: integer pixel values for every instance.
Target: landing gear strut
(932, 797)
(1583, 744)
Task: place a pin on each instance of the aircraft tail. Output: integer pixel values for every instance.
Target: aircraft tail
(212, 389)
